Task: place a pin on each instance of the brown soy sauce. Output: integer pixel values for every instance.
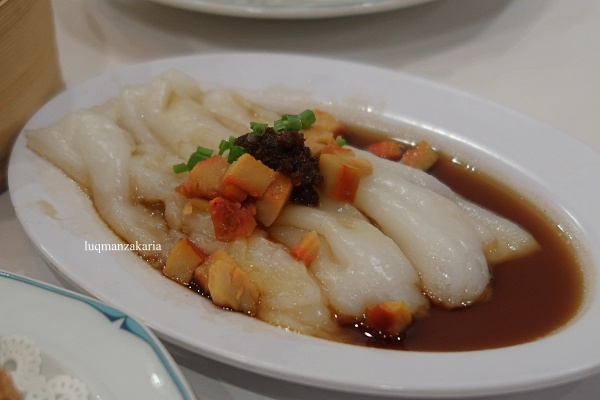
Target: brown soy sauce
(529, 298)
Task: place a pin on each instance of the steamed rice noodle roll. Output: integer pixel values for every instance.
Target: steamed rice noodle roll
(235, 112)
(104, 170)
(434, 233)
(289, 295)
(357, 265)
(503, 239)
(179, 121)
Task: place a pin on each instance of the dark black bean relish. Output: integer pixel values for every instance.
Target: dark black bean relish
(285, 152)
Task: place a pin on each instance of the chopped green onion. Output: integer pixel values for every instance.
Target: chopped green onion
(204, 152)
(201, 153)
(235, 152)
(307, 117)
(223, 146)
(340, 141)
(194, 159)
(258, 128)
(226, 144)
(289, 122)
(179, 168)
(279, 125)
(229, 147)
(292, 122)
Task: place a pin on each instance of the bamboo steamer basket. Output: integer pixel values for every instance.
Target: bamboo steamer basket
(29, 68)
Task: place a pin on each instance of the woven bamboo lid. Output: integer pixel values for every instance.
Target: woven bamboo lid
(29, 70)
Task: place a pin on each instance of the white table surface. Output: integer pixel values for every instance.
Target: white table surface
(540, 57)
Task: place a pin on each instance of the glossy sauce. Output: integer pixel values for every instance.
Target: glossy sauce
(530, 297)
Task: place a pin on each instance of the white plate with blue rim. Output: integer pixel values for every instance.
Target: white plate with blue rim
(58, 342)
(60, 219)
(290, 9)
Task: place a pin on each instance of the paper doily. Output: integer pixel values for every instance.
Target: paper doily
(23, 360)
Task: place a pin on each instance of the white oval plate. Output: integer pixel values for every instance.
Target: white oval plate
(290, 9)
(113, 354)
(59, 219)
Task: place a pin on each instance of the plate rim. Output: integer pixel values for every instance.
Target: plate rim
(245, 361)
(345, 8)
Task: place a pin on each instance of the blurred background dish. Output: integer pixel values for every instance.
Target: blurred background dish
(111, 353)
(290, 9)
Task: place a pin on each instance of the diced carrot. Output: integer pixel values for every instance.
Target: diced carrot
(204, 179)
(316, 140)
(232, 192)
(227, 284)
(201, 273)
(250, 175)
(182, 260)
(232, 220)
(274, 199)
(246, 294)
(422, 156)
(219, 283)
(390, 318)
(362, 164)
(340, 179)
(349, 158)
(327, 122)
(307, 249)
(322, 132)
(389, 149)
